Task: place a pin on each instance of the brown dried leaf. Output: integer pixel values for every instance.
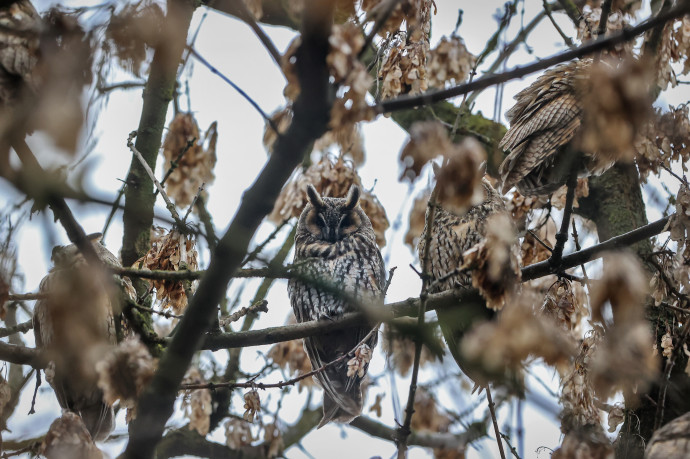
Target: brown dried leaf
(495, 262)
(196, 165)
(172, 253)
(238, 433)
(427, 416)
(132, 30)
(252, 405)
(68, 437)
(616, 104)
(428, 139)
(449, 62)
(124, 372)
(459, 182)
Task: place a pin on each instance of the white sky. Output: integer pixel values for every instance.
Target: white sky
(232, 48)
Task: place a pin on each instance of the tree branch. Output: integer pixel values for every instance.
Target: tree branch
(583, 256)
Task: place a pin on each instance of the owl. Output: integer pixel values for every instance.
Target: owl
(19, 43)
(74, 323)
(450, 236)
(335, 244)
(543, 123)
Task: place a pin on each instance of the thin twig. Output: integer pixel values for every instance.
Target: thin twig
(583, 256)
(492, 410)
(248, 17)
(38, 384)
(123, 85)
(168, 203)
(576, 240)
(562, 235)
(604, 17)
(19, 328)
(113, 209)
(166, 314)
(196, 197)
(289, 382)
(385, 11)
(236, 88)
(259, 248)
(403, 431)
(176, 162)
(566, 39)
(259, 306)
(511, 448)
(27, 296)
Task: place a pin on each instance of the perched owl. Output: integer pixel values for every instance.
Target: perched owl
(336, 241)
(75, 324)
(19, 42)
(672, 441)
(543, 122)
(450, 237)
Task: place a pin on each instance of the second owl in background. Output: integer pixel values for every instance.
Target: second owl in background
(336, 247)
(450, 238)
(544, 122)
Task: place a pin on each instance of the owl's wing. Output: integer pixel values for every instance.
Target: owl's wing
(533, 141)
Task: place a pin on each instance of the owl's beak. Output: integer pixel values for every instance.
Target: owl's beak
(330, 234)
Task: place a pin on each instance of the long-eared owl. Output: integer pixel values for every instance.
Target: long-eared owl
(544, 121)
(74, 323)
(452, 235)
(337, 244)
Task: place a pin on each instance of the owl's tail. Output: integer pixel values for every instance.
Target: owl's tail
(348, 407)
(98, 419)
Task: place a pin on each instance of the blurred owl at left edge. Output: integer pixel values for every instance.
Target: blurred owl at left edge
(337, 244)
(74, 323)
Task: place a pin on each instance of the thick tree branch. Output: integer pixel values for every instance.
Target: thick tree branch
(22, 355)
(405, 102)
(311, 114)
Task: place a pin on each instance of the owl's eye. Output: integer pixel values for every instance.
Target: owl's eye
(345, 221)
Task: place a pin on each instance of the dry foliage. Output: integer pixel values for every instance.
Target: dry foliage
(495, 262)
(401, 350)
(624, 360)
(357, 365)
(449, 62)
(197, 405)
(291, 355)
(68, 437)
(518, 333)
(238, 433)
(616, 104)
(252, 405)
(427, 415)
(172, 252)
(195, 168)
(132, 30)
(124, 372)
(664, 139)
(566, 304)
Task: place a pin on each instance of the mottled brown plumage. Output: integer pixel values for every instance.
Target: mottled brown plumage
(19, 43)
(672, 441)
(74, 323)
(451, 236)
(543, 123)
(337, 244)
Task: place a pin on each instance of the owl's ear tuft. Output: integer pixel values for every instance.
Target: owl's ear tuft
(314, 197)
(352, 197)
